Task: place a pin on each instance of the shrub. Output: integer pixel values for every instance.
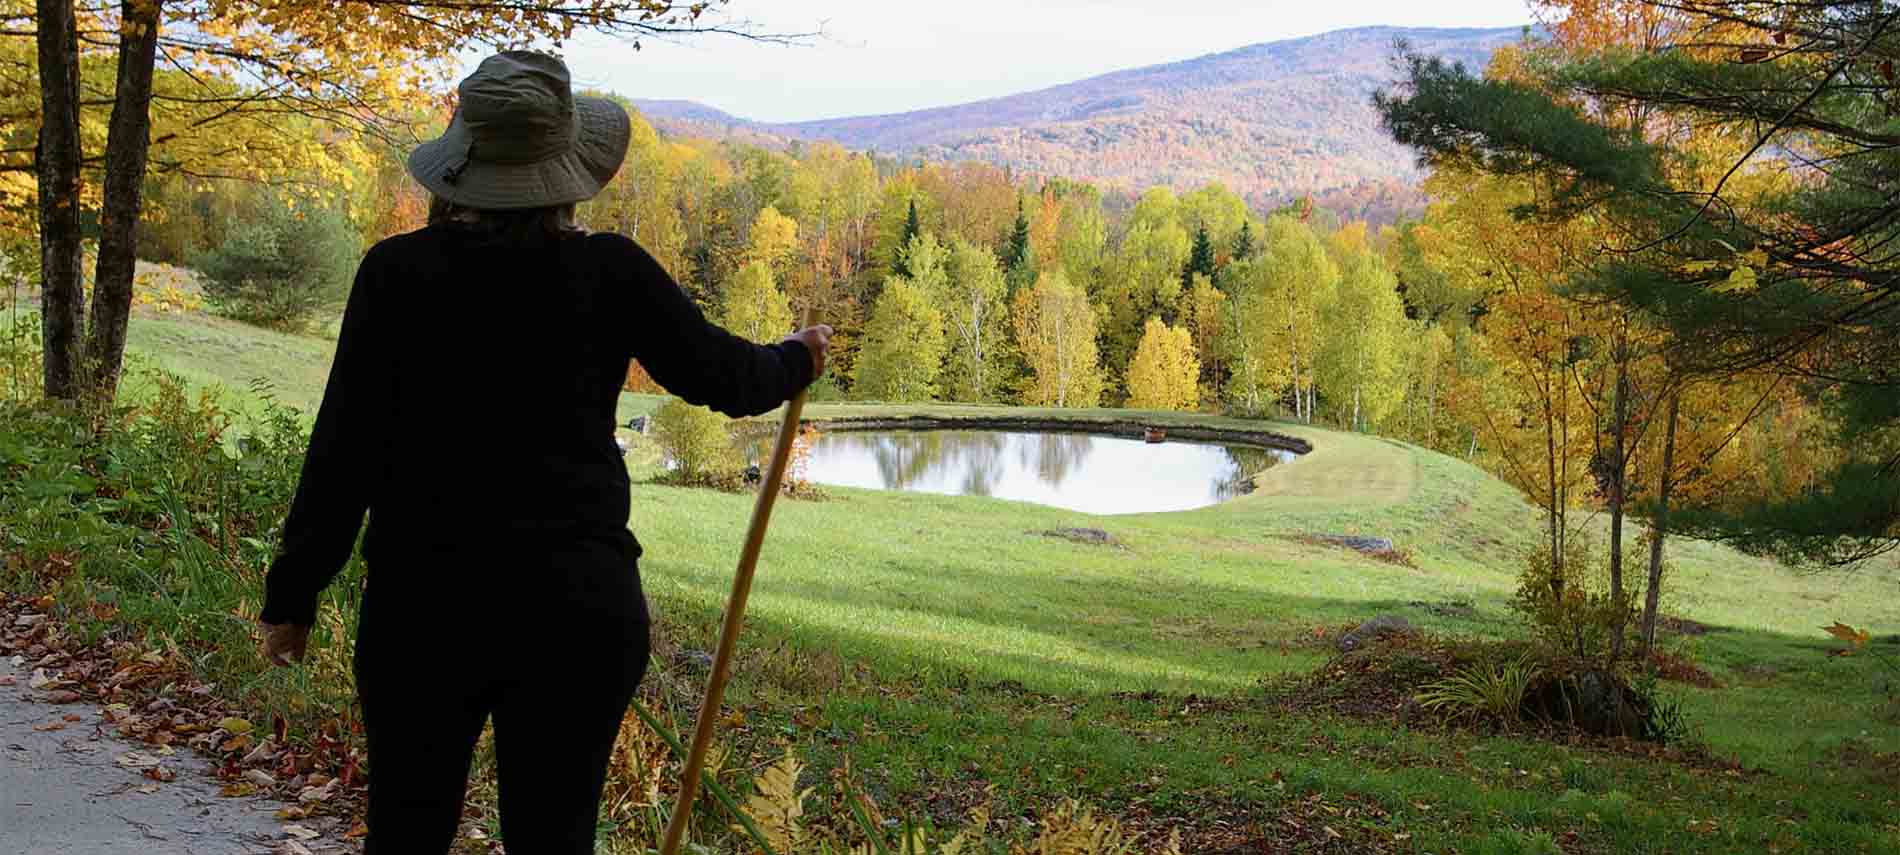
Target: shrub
(697, 444)
(284, 268)
(1483, 689)
(1570, 605)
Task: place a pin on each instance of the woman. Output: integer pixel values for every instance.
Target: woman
(470, 411)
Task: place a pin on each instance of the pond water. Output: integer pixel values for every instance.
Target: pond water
(1080, 472)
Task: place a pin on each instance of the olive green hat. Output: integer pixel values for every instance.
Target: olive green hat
(521, 139)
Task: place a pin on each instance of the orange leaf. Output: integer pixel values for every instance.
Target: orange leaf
(1856, 637)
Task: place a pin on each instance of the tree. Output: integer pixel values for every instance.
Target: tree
(298, 58)
(903, 346)
(1202, 309)
(900, 263)
(282, 267)
(1243, 242)
(1362, 331)
(1295, 276)
(1055, 331)
(774, 241)
(1018, 262)
(1777, 258)
(973, 299)
(753, 306)
(1200, 258)
(1165, 374)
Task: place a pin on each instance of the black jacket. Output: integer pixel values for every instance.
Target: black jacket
(472, 398)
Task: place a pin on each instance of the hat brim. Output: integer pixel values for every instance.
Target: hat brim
(603, 130)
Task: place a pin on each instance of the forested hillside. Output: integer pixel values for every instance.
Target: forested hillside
(1273, 121)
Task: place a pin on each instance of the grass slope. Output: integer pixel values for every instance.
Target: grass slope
(945, 646)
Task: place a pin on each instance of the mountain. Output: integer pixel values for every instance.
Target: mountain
(1272, 121)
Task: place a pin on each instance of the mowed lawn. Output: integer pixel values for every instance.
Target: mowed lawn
(946, 645)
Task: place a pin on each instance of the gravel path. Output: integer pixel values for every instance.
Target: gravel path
(68, 787)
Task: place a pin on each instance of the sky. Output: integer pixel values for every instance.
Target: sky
(889, 56)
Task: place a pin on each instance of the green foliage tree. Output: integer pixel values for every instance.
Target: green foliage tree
(284, 268)
(1243, 242)
(974, 297)
(1362, 340)
(753, 307)
(1165, 373)
(1200, 257)
(697, 444)
(903, 346)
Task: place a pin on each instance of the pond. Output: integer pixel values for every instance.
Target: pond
(1080, 472)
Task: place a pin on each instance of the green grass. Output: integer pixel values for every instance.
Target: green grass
(944, 646)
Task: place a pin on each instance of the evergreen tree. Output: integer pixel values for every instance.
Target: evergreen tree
(1200, 257)
(900, 262)
(1779, 258)
(1243, 242)
(1017, 257)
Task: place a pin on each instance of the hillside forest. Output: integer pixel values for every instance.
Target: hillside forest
(966, 282)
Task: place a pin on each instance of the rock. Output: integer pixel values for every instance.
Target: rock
(753, 474)
(1357, 542)
(637, 424)
(1082, 535)
(693, 660)
(1378, 627)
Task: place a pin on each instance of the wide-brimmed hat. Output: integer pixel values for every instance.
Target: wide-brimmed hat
(521, 139)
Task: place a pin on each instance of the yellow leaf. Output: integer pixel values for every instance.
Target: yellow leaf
(1739, 279)
(233, 724)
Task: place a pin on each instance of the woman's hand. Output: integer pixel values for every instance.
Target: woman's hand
(284, 643)
(817, 340)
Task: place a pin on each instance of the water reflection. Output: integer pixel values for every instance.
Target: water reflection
(1096, 474)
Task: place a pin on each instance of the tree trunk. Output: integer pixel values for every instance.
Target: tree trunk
(56, 162)
(1619, 413)
(1660, 525)
(126, 142)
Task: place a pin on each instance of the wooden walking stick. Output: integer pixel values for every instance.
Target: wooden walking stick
(735, 614)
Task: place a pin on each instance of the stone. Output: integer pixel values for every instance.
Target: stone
(1378, 627)
(637, 424)
(1358, 542)
(1082, 535)
(693, 660)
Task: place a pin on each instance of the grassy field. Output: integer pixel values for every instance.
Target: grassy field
(945, 647)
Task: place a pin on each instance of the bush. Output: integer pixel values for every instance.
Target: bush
(284, 268)
(1570, 605)
(1483, 689)
(697, 444)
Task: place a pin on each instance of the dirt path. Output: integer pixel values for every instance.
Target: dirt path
(69, 787)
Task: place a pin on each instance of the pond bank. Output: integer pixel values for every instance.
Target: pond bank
(1128, 429)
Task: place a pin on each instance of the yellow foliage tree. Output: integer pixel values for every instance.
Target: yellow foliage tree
(1165, 373)
(753, 307)
(1055, 332)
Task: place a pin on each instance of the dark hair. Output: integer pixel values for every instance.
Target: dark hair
(526, 227)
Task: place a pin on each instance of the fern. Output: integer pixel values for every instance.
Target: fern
(777, 808)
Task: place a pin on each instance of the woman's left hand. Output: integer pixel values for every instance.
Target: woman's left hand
(284, 643)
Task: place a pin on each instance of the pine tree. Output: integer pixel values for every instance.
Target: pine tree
(1243, 242)
(900, 261)
(1200, 257)
(1016, 255)
(1767, 261)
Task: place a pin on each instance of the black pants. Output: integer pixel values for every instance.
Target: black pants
(548, 640)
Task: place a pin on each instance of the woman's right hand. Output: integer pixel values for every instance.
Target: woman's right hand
(817, 340)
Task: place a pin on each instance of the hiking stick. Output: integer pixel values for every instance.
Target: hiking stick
(735, 613)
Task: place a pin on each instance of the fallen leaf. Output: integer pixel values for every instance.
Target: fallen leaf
(301, 832)
(160, 773)
(235, 725)
(237, 789)
(63, 696)
(8, 680)
(148, 789)
(50, 726)
(137, 760)
(260, 778)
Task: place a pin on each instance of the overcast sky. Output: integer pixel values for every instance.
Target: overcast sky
(888, 56)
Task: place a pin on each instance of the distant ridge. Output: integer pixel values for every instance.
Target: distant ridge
(1272, 121)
